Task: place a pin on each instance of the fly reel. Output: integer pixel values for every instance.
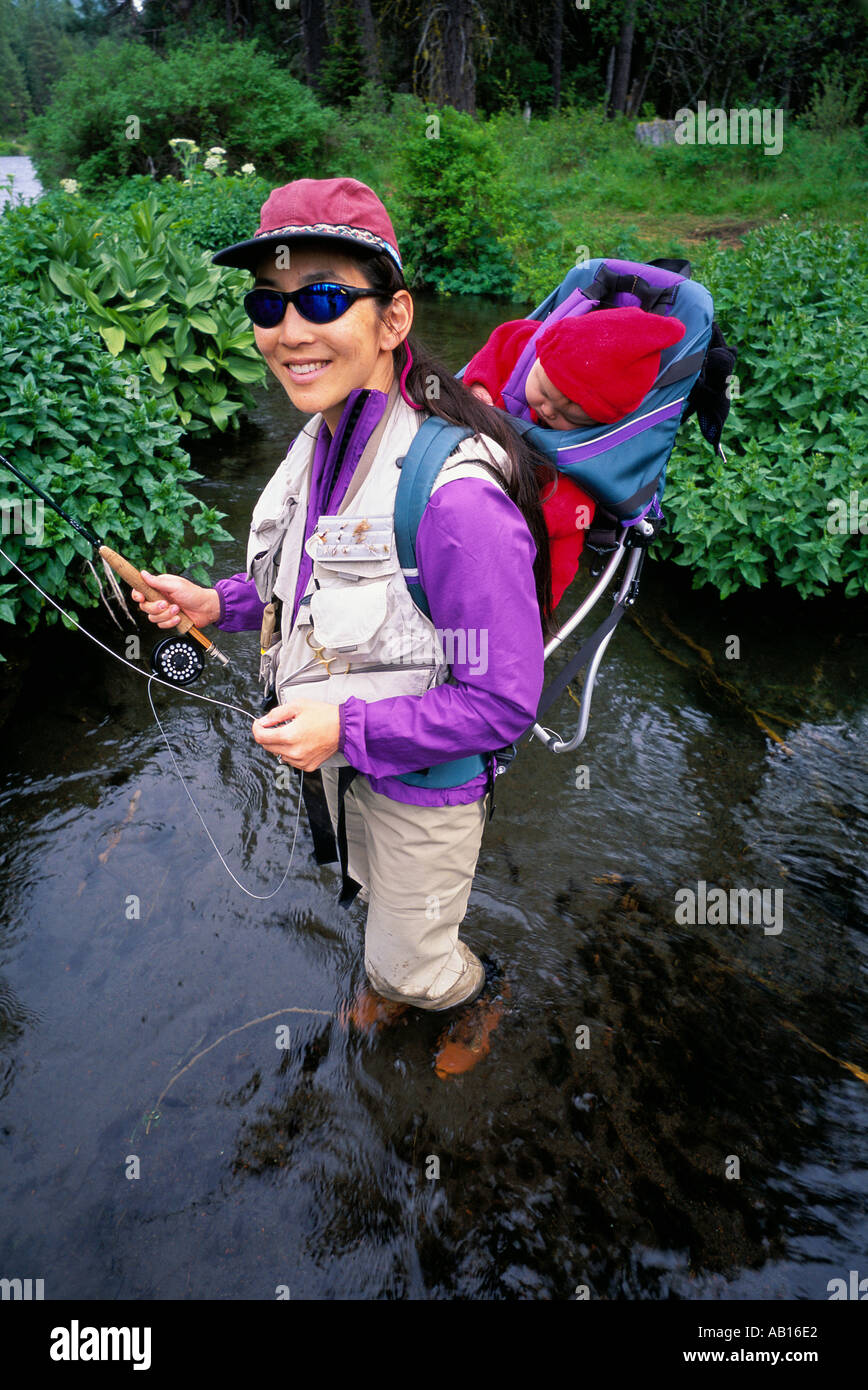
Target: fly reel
(177, 660)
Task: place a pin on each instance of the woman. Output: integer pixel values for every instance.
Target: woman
(363, 686)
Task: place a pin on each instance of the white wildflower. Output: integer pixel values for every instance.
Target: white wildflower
(248, 168)
(69, 185)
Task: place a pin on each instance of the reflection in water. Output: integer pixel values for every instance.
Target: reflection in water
(667, 1110)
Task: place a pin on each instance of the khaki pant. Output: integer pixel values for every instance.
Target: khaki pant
(417, 865)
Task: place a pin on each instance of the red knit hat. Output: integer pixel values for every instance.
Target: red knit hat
(607, 360)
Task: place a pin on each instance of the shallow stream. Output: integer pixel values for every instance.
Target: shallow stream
(709, 1140)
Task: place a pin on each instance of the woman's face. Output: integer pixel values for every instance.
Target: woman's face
(319, 364)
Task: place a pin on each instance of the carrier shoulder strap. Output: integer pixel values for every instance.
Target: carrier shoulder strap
(434, 442)
(420, 466)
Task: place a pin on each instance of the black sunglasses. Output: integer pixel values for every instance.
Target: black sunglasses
(321, 303)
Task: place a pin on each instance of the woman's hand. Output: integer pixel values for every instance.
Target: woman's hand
(304, 733)
(201, 605)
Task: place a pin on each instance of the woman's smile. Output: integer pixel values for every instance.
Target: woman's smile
(306, 370)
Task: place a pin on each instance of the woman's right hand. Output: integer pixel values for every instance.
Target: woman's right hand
(202, 606)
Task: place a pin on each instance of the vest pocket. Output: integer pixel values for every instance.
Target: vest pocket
(347, 617)
(266, 537)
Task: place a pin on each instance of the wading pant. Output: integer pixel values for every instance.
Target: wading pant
(417, 865)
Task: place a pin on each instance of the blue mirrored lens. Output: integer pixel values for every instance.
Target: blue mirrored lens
(322, 303)
(265, 308)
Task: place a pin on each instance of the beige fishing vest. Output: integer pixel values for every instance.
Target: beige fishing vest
(358, 631)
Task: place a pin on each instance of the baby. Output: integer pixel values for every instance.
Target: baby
(590, 369)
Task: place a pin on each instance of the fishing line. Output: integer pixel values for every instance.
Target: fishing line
(261, 897)
(154, 1116)
(222, 704)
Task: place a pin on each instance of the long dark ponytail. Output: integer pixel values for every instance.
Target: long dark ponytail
(432, 386)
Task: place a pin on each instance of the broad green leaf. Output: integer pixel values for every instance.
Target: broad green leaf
(220, 415)
(155, 360)
(244, 370)
(115, 338)
(195, 294)
(60, 278)
(194, 363)
(204, 322)
(155, 322)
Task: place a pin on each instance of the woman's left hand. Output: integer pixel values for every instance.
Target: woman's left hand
(304, 733)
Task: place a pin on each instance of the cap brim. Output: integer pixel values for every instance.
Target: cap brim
(246, 254)
(243, 254)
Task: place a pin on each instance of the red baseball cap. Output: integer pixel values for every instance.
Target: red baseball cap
(341, 210)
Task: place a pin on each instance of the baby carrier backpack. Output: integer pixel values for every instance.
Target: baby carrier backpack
(621, 466)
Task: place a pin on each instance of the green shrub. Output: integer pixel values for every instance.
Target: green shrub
(795, 304)
(372, 129)
(833, 105)
(150, 295)
(543, 250)
(115, 110)
(88, 429)
(540, 151)
(454, 201)
(214, 212)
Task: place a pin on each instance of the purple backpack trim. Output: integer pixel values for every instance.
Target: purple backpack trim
(590, 448)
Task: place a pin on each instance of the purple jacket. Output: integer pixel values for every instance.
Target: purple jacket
(475, 557)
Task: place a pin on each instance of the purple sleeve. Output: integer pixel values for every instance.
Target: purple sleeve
(240, 605)
(475, 557)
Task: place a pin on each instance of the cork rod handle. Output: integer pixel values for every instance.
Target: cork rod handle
(135, 581)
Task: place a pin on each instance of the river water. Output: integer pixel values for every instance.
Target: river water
(25, 184)
(159, 1140)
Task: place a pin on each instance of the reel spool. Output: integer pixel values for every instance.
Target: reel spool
(177, 660)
